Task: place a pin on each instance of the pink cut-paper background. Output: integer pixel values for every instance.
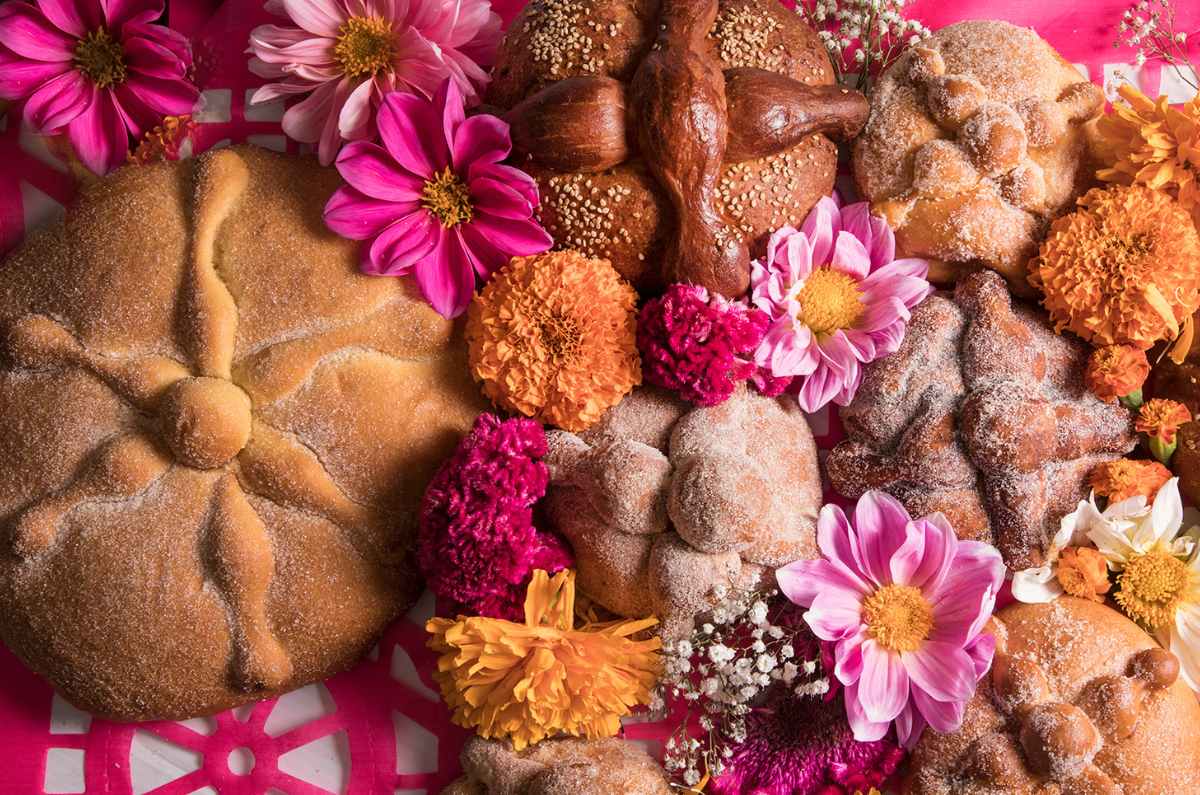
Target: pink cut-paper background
(379, 728)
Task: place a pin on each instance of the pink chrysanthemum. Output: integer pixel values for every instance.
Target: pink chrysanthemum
(477, 544)
(698, 344)
(350, 54)
(99, 71)
(436, 199)
(837, 300)
(905, 602)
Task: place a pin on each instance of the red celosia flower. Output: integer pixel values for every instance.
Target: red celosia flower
(478, 546)
(697, 344)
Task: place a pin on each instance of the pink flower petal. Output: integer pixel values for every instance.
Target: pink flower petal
(418, 64)
(59, 102)
(865, 730)
(98, 135)
(941, 545)
(152, 59)
(481, 138)
(848, 658)
(139, 117)
(447, 277)
(520, 238)
(872, 230)
(321, 17)
(981, 651)
(959, 614)
(449, 102)
(26, 32)
(820, 227)
(304, 120)
(882, 314)
(65, 15)
(486, 257)
(883, 686)
(977, 566)
(498, 199)
(512, 177)
(372, 170)
(880, 521)
(910, 725)
(169, 97)
(892, 281)
(803, 580)
(832, 618)
(331, 139)
(943, 716)
(402, 245)
(170, 40)
(837, 540)
(942, 670)
(19, 77)
(354, 122)
(850, 256)
(405, 122)
(273, 91)
(118, 12)
(356, 216)
(907, 559)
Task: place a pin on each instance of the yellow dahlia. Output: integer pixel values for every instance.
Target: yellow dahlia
(1123, 269)
(534, 680)
(553, 337)
(1153, 144)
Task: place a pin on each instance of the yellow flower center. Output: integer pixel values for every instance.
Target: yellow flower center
(1152, 586)
(448, 197)
(101, 58)
(364, 46)
(829, 301)
(898, 617)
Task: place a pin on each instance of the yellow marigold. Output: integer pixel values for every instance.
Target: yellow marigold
(1083, 572)
(1153, 144)
(1115, 371)
(1161, 418)
(553, 337)
(530, 681)
(1123, 269)
(1124, 478)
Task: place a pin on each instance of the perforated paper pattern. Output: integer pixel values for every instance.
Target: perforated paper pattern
(381, 727)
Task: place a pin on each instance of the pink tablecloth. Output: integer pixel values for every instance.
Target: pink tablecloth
(379, 728)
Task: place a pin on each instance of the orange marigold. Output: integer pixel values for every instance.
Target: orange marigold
(1153, 144)
(1124, 478)
(553, 337)
(530, 681)
(1115, 371)
(1160, 419)
(1123, 269)
(165, 141)
(1083, 572)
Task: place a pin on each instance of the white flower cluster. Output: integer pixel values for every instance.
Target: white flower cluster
(736, 655)
(863, 36)
(1150, 28)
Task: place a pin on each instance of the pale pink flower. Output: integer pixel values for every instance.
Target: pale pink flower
(904, 602)
(837, 300)
(348, 54)
(435, 200)
(98, 71)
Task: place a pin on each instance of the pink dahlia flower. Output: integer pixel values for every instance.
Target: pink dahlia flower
(477, 544)
(837, 300)
(904, 602)
(347, 55)
(698, 344)
(100, 71)
(435, 200)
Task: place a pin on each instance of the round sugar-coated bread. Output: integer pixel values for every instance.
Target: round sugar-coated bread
(214, 434)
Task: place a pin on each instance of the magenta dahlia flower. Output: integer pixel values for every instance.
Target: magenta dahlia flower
(477, 543)
(100, 71)
(698, 344)
(435, 200)
(904, 602)
(837, 300)
(347, 55)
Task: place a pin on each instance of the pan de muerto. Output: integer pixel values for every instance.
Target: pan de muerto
(672, 136)
(214, 434)
(1080, 701)
(981, 414)
(663, 502)
(976, 140)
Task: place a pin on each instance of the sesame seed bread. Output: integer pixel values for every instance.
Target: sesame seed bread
(214, 433)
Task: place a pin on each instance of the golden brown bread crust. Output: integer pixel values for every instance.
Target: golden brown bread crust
(1080, 701)
(668, 143)
(214, 434)
(976, 139)
(981, 414)
(558, 767)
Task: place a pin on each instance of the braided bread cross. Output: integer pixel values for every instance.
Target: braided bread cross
(675, 114)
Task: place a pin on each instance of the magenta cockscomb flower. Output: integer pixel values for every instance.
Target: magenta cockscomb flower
(904, 601)
(477, 544)
(347, 55)
(435, 200)
(837, 300)
(698, 344)
(98, 71)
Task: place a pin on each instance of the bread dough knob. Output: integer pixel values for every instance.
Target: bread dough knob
(205, 421)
